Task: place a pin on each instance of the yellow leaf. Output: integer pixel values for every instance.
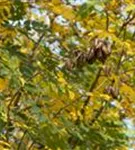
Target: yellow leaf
(73, 115)
(3, 84)
(22, 81)
(56, 2)
(62, 80)
(113, 113)
(4, 144)
(128, 91)
(19, 134)
(89, 94)
(129, 45)
(20, 124)
(130, 7)
(71, 95)
(116, 79)
(60, 74)
(91, 34)
(112, 29)
(63, 30)
(66, 11)
(105, 97)
(24, 50)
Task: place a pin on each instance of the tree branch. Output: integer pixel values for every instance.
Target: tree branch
(15, 99)
(128, 20)
(107, 20)
(64, 107)
(119, 62)
(20, 143)
(98, 114)
(91, 90)
(33, 53)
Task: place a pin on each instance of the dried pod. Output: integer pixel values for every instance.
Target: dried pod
(107, 70)
(99, 53)
(106, 48)
(113, 91)
(69, 64)
(90, 54)
(100, 49)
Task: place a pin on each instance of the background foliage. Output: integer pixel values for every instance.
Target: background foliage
(52, 95)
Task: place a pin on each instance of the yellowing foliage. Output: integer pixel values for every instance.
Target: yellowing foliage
(71, 95)
(68, 84)
(128, 91)
(67, 12)
(3, 84)
(4, 145)
(105, 97)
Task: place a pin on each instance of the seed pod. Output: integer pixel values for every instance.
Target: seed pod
(106, 49)
(99, 53)
(90, 54)
(100, 49)
(114, 92)
(69, 64)
(107, 70)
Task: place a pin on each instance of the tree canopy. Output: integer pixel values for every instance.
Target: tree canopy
(67, 74)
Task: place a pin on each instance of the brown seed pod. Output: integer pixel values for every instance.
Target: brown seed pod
(90, 54)
(107, 70)
(100, 49)
(113, 91)
(69, 64)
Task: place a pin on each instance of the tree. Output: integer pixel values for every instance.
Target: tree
(67, 74)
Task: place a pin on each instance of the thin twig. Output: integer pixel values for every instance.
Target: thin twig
(31, 145)
(64, 107)
(98, 114)
(32, 56)
(8, 111)
(24, 134)
(119, 62)
(129, 70)
(128, 20)
(17, 94)
(91, 90)
(15, 98)
(101, 84)
(20, 143)
(133, 35)
(107, 20)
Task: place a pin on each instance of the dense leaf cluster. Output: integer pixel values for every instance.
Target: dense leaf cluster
(67, 75)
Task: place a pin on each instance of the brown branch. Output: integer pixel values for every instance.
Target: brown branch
(107, 20)
(66, 106)
(31, 145)
(133, 35)
(128, 58)
(15, 99)
(17, 94)
(32, 56)
(98, 114)
(73, 141)
(129, 70)
(128, 20)
(119, 62)
(91, 90)
(20, 143)
(24, 134)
